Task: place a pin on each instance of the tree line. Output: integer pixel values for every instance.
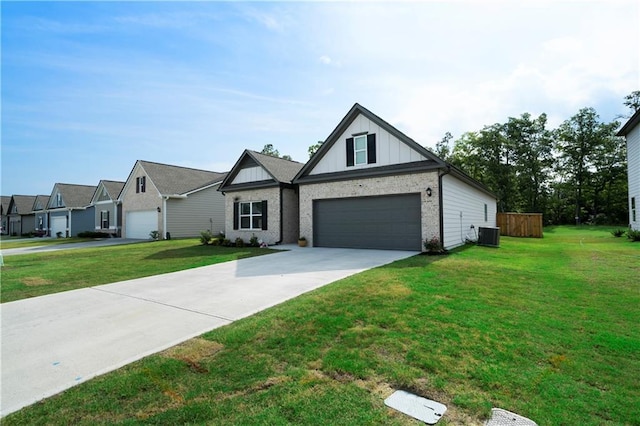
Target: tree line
(575, 173)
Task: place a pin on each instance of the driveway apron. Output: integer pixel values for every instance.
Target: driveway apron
(54, 342)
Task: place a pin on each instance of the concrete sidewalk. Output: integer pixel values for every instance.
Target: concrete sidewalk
(54, 342)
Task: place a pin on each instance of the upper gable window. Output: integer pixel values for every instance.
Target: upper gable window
(58, 202)
(361, 149)
(141, 184)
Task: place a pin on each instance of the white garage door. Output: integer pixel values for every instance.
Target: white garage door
(140, 224)
(58, 224)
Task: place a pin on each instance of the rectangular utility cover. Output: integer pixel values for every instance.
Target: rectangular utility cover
(416, 406)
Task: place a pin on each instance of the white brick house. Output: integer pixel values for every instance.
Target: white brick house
(371, 186)
(260, 199)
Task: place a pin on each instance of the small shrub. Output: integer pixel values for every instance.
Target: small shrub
(59, 234)
(618, 232)
(216, 241)
(154, 235)
(433, 246)
(226, 242)
(253, 242)
(239, 242)
(205, 238)
(633, 235)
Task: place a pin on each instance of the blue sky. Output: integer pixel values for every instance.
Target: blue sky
(88, 88)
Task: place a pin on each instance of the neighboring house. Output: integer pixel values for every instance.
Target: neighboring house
(371, 186)
(41, 216)
(172, 200)
(108, 210)
(631, 132)
(261, 200)
(70, 210)
(20, 215)
(4, 217)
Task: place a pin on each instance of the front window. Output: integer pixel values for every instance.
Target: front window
(360, 149)
(104, 219)
(251, 215)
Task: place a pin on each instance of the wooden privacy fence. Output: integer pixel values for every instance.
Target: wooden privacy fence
(520, 224)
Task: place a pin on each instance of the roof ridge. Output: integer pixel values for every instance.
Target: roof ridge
(179, 167)
(273, 156)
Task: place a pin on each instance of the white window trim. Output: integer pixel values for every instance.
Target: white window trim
(251, 215)
(356, 150)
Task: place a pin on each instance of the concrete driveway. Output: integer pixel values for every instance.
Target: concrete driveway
(54, 342)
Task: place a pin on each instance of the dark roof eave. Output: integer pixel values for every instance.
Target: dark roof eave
(629, 125)
(396, 169)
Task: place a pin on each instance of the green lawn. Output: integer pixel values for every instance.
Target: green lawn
(547, 328)
(29, 275)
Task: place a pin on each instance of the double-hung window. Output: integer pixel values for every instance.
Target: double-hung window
(633, 209)
(361, 150)
(141, 184)
(250, 215)
(104, 219)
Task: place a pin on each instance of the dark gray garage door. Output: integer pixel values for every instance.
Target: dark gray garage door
(386, 222)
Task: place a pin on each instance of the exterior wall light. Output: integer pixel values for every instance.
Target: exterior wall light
(429, 192)
(158, 209)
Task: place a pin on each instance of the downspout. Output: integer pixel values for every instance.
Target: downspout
(164, 217)
(281, 215)
(69, 216)
(440, 203)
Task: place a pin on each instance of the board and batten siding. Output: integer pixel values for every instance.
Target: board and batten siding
(633, 164)
(389, 149)
(251, 174)
(463, 206)
(200, 211)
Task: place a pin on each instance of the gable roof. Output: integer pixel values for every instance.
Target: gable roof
(23, 203)
(113, 188)
(44, 201)
(353, 113)
(433, 161)
(73, 195)
(4, 203)
(629, 125)
(282, 171)
(177, 180)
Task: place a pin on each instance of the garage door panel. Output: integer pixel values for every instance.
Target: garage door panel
(385, 222)
(139, 224)
(58, 224)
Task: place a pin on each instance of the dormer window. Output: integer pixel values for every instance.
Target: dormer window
(58, 200)
(361, 150)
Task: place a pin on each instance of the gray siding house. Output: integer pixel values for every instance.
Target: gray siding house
(631, 132)
(260, 199)
(172, 200)
(4, 217)
(41, 216)
(107, 208)
(20, 217)
(70, 210)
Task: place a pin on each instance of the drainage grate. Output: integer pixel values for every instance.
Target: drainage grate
(500, 417)
(416, 406)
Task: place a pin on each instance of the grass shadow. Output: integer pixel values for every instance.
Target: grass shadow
(205, 251)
